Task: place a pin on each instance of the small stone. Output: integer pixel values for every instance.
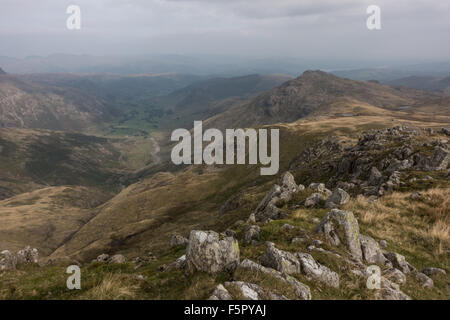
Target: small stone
(117, 259)
(425, 281)
(178, 240)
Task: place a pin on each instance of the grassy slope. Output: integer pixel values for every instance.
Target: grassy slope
(389, 219)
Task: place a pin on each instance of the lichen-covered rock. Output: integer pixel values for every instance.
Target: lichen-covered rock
(267, 209)
(338, 197)
(178, 240)
(440, 158)
(317, 187)
(399, 262)
(220, 293)
(340, 226)
(371, 251)
(313, 200)
(395, 276)
(28, 255)
(282, 261)
(391, 291)
(303, 292)
(8, 260)
(248, 291)
(288, 182)
(211, 252)
(252, 234)
(117, 259)
(316, 271)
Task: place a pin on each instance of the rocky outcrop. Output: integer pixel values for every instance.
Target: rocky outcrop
(28, 255)
(371, 251)
(267, 209)
(316, 271)
(178, 240)
(338, 198)
(341, 227)
(395, 276)
(251, 235)
(220, 293)
(399, 262)
(211, 252)
(391, 291)
(303, 292)
(8, 260)
(313, 200)
(424, 280)
(117, 259)
(243, 290)
(280, 260)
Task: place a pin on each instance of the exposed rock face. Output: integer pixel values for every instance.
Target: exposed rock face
(248, 291)
(8, 260)
(320, 187)
(28, 255)
(391, 291)
(220, 293)
(440, 159)
(210, 252)
(245, 290)
(424, 280)
(399, 262)
(267, 209)
(288, 182)
(282, 261)
(375, 177)
(313, 200)
(446, 131)
(178, 240)
(2, 72)
(252, 234)
(341, 227)
(396, 276)
(303, 292)
(316, 271)
(117, 259)
(338, 197)
(371, 251)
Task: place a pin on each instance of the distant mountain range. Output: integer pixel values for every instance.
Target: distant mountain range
(437, 84)
(308, 93)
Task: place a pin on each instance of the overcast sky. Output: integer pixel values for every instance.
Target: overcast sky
(321, 29)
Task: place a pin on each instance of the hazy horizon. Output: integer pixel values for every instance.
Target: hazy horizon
(322, 30)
